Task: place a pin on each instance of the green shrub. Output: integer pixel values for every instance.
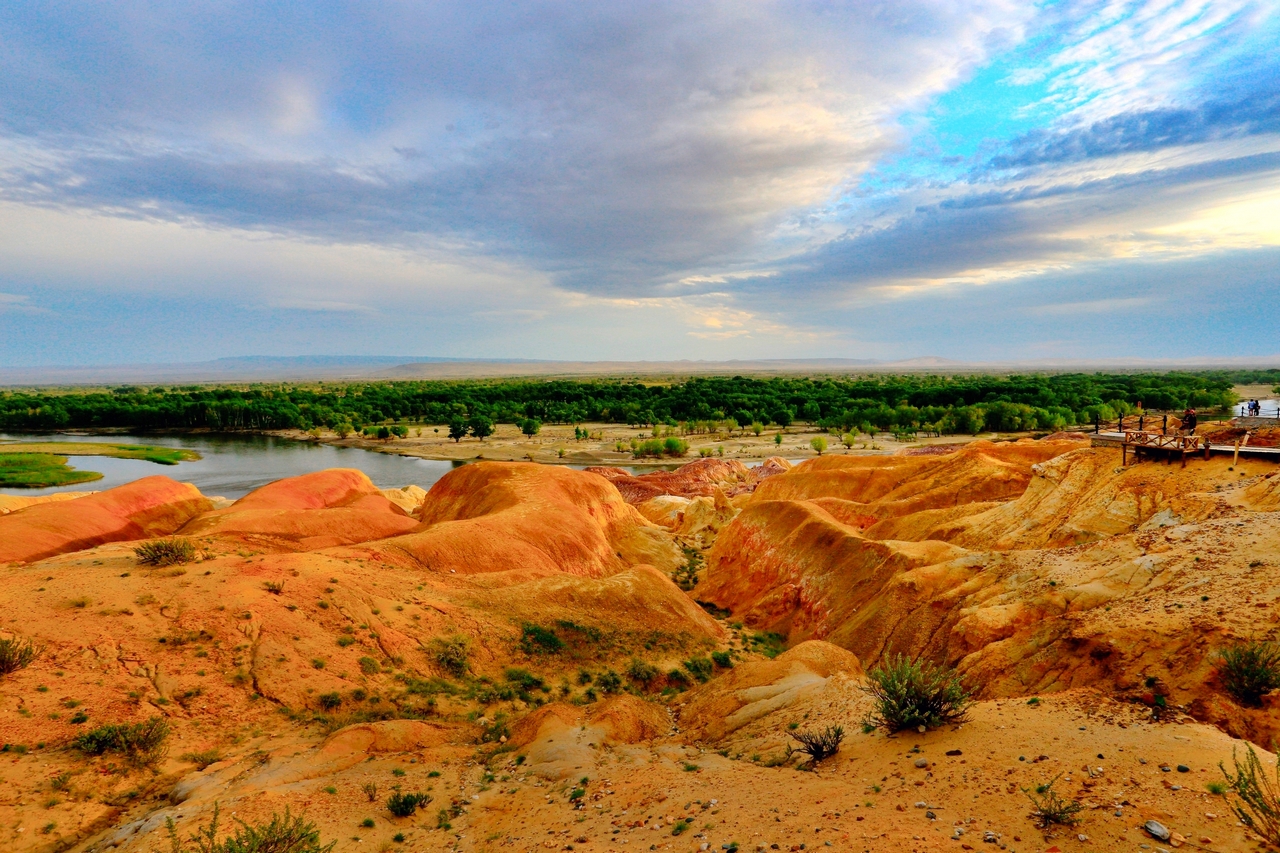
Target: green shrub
(451, 654)
(768, 643)
(535, 639)
(722, 660)
(911, 694)
(283, 834)
(165, 552)
(202, 759)
(369, 666)
(609, 682)
(820, 744)
(1250, 670)
(1256, 795)
(641, 672)
(1048, 808)
(329, 701)
(17, 654)
(143, 743)
(524, 679)
(698, 667)
(404, 805)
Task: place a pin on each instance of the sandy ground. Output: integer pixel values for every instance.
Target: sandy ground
(556, 444)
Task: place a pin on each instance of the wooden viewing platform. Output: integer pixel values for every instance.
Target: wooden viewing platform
(1177, 445)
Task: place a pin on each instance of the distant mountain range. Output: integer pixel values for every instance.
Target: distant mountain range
(357, 367)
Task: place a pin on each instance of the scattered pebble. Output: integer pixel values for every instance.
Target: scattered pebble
(1157, 830)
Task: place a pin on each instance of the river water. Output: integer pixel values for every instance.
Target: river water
(233, 465)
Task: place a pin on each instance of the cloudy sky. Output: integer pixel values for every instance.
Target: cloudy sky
(975, 180)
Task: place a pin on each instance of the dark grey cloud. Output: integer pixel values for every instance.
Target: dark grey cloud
(614, 144)
(1148, 130)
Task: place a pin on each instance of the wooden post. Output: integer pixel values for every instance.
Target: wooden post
(1124, 454)
(1235, 458)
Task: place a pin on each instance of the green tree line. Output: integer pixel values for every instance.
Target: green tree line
(949, 404)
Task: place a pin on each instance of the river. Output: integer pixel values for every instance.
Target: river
(233, 465)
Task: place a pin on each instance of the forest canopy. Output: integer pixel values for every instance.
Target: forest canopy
(948, 404)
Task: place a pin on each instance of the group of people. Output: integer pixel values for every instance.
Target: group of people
(1189, 420)
(1253, 409)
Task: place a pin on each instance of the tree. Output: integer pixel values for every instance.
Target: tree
(757, 428)
(781, 417)
(744, 418)
(818, 443)
(343, 429)
(811, 411)
(480, 426)
(777, 438)
(531, 427)
(457, 429)
(383, 433)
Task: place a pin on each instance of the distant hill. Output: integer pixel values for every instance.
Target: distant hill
(392, 367)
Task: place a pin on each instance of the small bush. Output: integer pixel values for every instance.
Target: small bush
(699, 667)
(722, 660)
(283, 834)
(370, 791)
(524, 679)
(17, 654)
(609, 682)
(369, 666)
(641, 672)
(329, 701)
(165, 552)
(820, 744)
(273, 587)
(910, 694)
(142, 743)
(535, 639)
(345, 641)
(202, 759)
(1048, 808)
(451, 654)
(1250, 670)
(1257, 795)
(404, 805)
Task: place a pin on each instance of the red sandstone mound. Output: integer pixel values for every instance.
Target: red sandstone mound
(1083, 497)
(701, 478)
(792, 567)
(532, 520)
(753, 690)
(339, 506)
(152, 506)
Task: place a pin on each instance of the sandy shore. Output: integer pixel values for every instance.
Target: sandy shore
(556, 444)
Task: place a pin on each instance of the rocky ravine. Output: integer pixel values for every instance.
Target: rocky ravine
(516, 631)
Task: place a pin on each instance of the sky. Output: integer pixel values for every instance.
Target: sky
(988, 181)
